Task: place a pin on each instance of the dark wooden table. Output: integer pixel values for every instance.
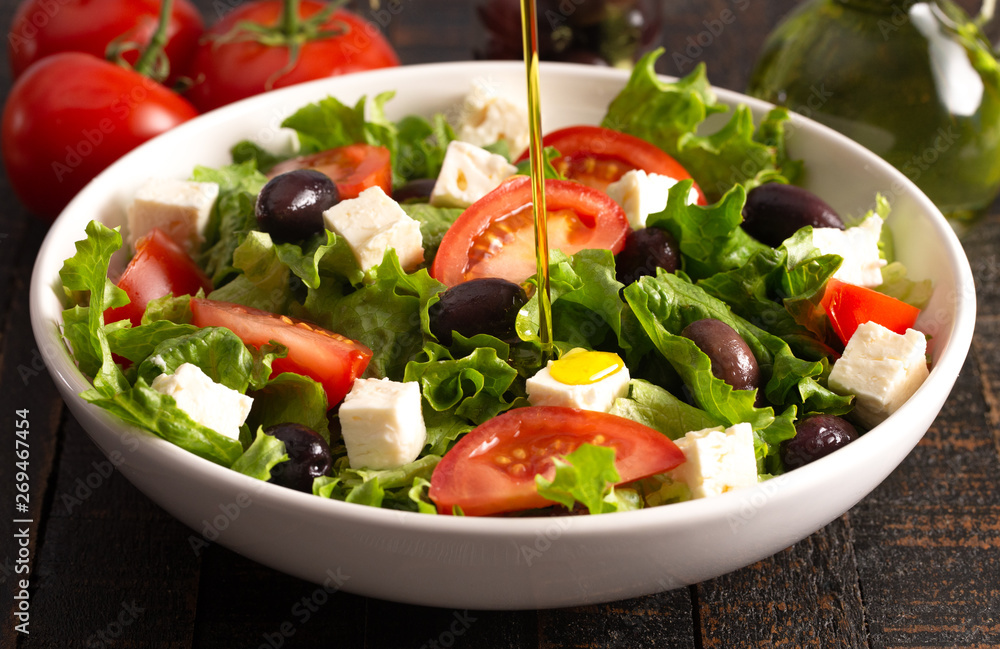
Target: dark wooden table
(916, 563)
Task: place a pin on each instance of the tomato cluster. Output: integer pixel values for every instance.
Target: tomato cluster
(96, 78)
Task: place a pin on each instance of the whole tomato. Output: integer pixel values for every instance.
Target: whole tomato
(69, 116)
(44, 27)
(233, 62)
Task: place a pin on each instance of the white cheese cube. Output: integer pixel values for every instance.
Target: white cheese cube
(545, 390)
(641, 194)
(178, 207)
(373, 223)
(381, 423)
(859, 248)
(717, 460)
(467, 174)
(211, 404)
(881, 368)
(488, 118)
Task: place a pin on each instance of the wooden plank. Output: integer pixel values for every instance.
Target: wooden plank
(424, 627)
(244, 604)
(113, 568)
(928, 540)
(26, 385)
(662, 620)
(806, 596)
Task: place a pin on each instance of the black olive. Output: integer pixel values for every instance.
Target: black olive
(773, 212)
(732, 360)
(816, 437)
(415, 190)
(487, 305)
(290, 206)
(308, 456)
(646, 250)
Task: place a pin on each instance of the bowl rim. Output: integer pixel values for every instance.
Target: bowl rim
(72, 381)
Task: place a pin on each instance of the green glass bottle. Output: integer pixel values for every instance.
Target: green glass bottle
(915, 81)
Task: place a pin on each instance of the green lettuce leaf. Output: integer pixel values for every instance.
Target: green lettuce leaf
(136, 343)
(258, 460)
(290, 399)
(669, 115)
(146, 408)
(232, 217)
(657, 408)
(217, 351)
(83, 326)
(434, 223)
(710, 238)
(586, 475)
(473, 387)
(263, 283)
(387, 315)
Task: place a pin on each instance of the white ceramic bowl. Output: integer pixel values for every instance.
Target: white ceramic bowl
(510, 563)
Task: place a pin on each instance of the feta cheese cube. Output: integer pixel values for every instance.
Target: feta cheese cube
(545, 390)
(717, 460)
(178, 207)
(488, 118)
(211, 404)
(858, 246)
(881, 368)
(467, 174)
(641, 194)
(381, 423)
(371, 224)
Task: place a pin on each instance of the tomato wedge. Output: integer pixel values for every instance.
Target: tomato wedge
(849, 305)
(492, 469)
(494, 237)
(160, 267)
(598, 156)
(326, 357)
(354, 168)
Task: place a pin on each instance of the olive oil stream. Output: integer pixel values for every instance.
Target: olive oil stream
(529, 26)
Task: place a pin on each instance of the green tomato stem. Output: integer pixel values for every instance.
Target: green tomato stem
(147, 60)
(290, 18)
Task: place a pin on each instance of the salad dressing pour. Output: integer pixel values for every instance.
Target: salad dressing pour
(529, 26)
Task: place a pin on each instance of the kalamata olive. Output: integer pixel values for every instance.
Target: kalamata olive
(774, 212)
(308, 456)
(816, 437)
(290, 206)
(732, 360)
(487, 305)
(644, 251)
(415, 190)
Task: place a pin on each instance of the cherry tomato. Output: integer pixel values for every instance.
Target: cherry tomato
(228, 70)
(598, 156)
(160, 267)
(326, 357)
(44, 27)
(848, 306)
(70, 116)
(492, 469)
(354, 168)
(494, 237)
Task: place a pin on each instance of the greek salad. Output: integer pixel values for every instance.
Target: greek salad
(359, 319)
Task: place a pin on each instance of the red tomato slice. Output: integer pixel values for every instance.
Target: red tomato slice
(849, 305)
(160, 267)
(494, 237)
(492, 469)
(354, 168)
(598, 156)
(326, 357)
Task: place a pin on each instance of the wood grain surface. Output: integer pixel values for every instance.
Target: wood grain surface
(915, 564)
